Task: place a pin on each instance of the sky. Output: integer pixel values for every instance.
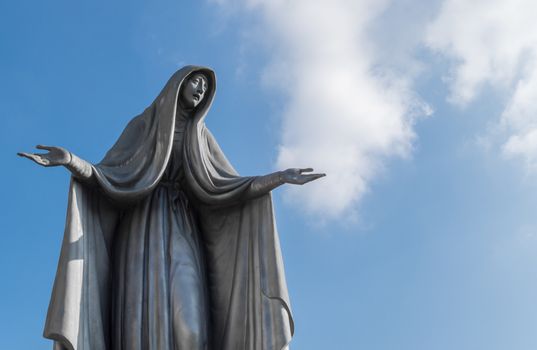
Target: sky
(423, 114)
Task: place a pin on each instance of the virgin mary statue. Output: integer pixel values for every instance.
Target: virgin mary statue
(166, 247)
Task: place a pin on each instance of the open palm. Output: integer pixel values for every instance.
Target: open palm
(297, 176)
(54, 157)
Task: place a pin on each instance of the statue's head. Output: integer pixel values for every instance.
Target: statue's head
(193, 90)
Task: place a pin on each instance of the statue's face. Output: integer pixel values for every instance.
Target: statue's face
(193, 90)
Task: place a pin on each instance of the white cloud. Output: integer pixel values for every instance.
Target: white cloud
(494, 43)
(345, 112)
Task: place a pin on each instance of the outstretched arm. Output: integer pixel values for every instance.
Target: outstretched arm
(295, 176)
(56, 156)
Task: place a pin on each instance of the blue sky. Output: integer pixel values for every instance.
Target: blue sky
(424, 114)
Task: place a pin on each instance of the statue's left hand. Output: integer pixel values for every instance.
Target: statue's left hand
(297, 176)
(54, 157)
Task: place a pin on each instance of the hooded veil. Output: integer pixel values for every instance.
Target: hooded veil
(248, 299)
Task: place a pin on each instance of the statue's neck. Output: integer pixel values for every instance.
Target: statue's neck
(182, 111)
(181, 117)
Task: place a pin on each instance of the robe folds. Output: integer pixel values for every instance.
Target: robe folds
(248, 303)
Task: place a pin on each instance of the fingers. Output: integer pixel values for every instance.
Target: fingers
(23, 154)
(31, 156)
(305, 170)
(48, 148)
(35, 157)
(311, 177)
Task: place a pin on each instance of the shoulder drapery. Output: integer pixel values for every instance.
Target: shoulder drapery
(78, 314)
(249, 300)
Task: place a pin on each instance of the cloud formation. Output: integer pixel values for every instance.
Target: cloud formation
(493, 43)
(345, 113)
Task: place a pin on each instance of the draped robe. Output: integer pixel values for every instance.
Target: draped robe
(248, 304)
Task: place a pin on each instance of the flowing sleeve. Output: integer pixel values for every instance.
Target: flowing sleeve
(77, 317)
(132, 168)
(249, 298)
(212, 180)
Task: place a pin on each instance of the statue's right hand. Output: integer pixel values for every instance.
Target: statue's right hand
(54, 157)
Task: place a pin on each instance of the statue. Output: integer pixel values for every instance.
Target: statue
(166, 247)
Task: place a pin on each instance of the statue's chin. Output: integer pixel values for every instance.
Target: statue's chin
(189, 104)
